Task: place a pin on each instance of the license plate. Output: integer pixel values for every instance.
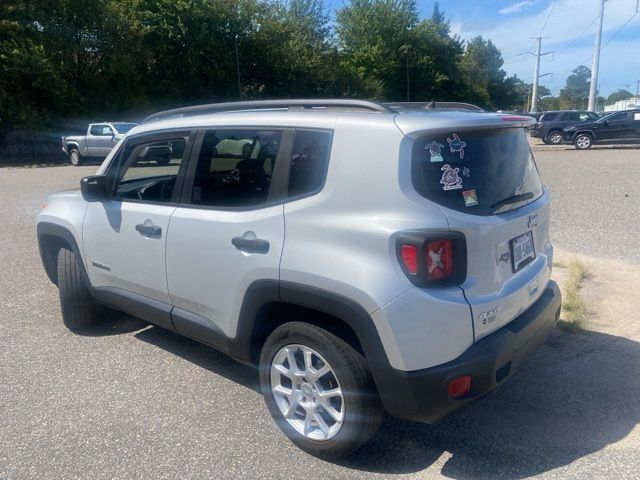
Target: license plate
(522, 251)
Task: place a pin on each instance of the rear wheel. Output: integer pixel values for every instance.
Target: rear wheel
(319, 390)
(74, 157)
(583, 141)
(554, 138)
(79, 309)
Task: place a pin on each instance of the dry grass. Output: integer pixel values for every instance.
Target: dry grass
(574, 308)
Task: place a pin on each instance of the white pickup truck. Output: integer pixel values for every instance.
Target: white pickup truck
(97, 143)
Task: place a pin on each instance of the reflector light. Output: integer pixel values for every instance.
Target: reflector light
(439, 259)
(409, 254)
(459, 386)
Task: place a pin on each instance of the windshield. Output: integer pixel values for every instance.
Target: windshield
(479, 172)
(124, 127)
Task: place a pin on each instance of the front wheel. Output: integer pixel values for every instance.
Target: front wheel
(79, 309)
(319, 390)
(583, 141)
(74, 157)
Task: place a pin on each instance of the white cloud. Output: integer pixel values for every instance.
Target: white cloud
(517, 7)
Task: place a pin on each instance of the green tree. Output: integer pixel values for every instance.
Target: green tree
(374, 40)
(434, 60)
(575, 93)
(482, 69)
(621, 94)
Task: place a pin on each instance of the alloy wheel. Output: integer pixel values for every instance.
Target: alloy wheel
(307, 392)
(583, 141)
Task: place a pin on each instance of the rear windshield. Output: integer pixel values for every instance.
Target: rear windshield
(481, 173)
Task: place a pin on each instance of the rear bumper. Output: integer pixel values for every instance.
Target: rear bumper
(422, 395)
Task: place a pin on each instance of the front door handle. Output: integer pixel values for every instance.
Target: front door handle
(250, 245)
(149, 230)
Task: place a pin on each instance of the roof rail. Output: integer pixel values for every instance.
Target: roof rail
(302, 104)
(433, 105)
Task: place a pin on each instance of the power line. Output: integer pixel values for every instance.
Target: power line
(548, 16)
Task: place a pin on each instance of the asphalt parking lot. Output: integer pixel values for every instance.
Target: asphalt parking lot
(135, 401)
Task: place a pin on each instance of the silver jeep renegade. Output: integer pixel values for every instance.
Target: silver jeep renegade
(365, 257)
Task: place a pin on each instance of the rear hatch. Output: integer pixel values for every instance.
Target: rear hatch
(486, 182)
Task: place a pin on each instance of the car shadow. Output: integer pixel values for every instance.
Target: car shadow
(580, 393)
(202, 355)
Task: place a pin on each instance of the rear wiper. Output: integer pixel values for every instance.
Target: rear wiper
(515, 199)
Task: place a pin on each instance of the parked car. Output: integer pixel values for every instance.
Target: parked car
(617, 127)
(364, 257)
(550, 125)
(97, 143)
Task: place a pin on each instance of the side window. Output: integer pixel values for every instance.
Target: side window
(99, 130)
(584, 116)
(234, 168)
(618, 117)
(309, 161)
(571, 117)
(147, 170)
(592, 116)
(549, 116)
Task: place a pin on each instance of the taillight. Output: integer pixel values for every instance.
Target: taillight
(439, 260)
(409, 255)
(433, 259)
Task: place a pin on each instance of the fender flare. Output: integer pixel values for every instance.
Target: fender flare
(264, 292)
(47, 230)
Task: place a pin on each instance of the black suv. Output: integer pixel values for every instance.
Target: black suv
(550, 124)
(616, 127)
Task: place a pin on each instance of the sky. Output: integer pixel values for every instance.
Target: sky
(570, 28)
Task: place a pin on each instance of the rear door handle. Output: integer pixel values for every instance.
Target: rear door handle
(250, 245)
(147, 230)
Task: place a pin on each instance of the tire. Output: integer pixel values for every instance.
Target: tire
(79, 309)
(356, 412)
(554, 137)
(75, 158)
(583, 141)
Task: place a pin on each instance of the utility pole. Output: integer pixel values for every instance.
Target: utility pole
(536, 74)
(596, 61)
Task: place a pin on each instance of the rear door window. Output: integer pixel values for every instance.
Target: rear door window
(549, 116)
(309, 161)
(235, 167)
(478, 172)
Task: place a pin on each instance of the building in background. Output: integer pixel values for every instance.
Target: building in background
(627, 104)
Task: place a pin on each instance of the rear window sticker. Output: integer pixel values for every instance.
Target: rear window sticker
(470, 198)
(636, 116)
(450, 178)
(435, 149)
(457, 145)
(466, 172)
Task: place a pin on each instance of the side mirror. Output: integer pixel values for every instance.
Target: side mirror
(94, 188)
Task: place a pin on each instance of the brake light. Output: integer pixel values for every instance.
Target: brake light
(438, 257)
(432, 258)
(409, 255)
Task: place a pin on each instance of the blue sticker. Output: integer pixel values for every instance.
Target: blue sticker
(435, 149)
(457, 145)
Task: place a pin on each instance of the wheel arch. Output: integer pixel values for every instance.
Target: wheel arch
(269, 304)
(51, 238)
